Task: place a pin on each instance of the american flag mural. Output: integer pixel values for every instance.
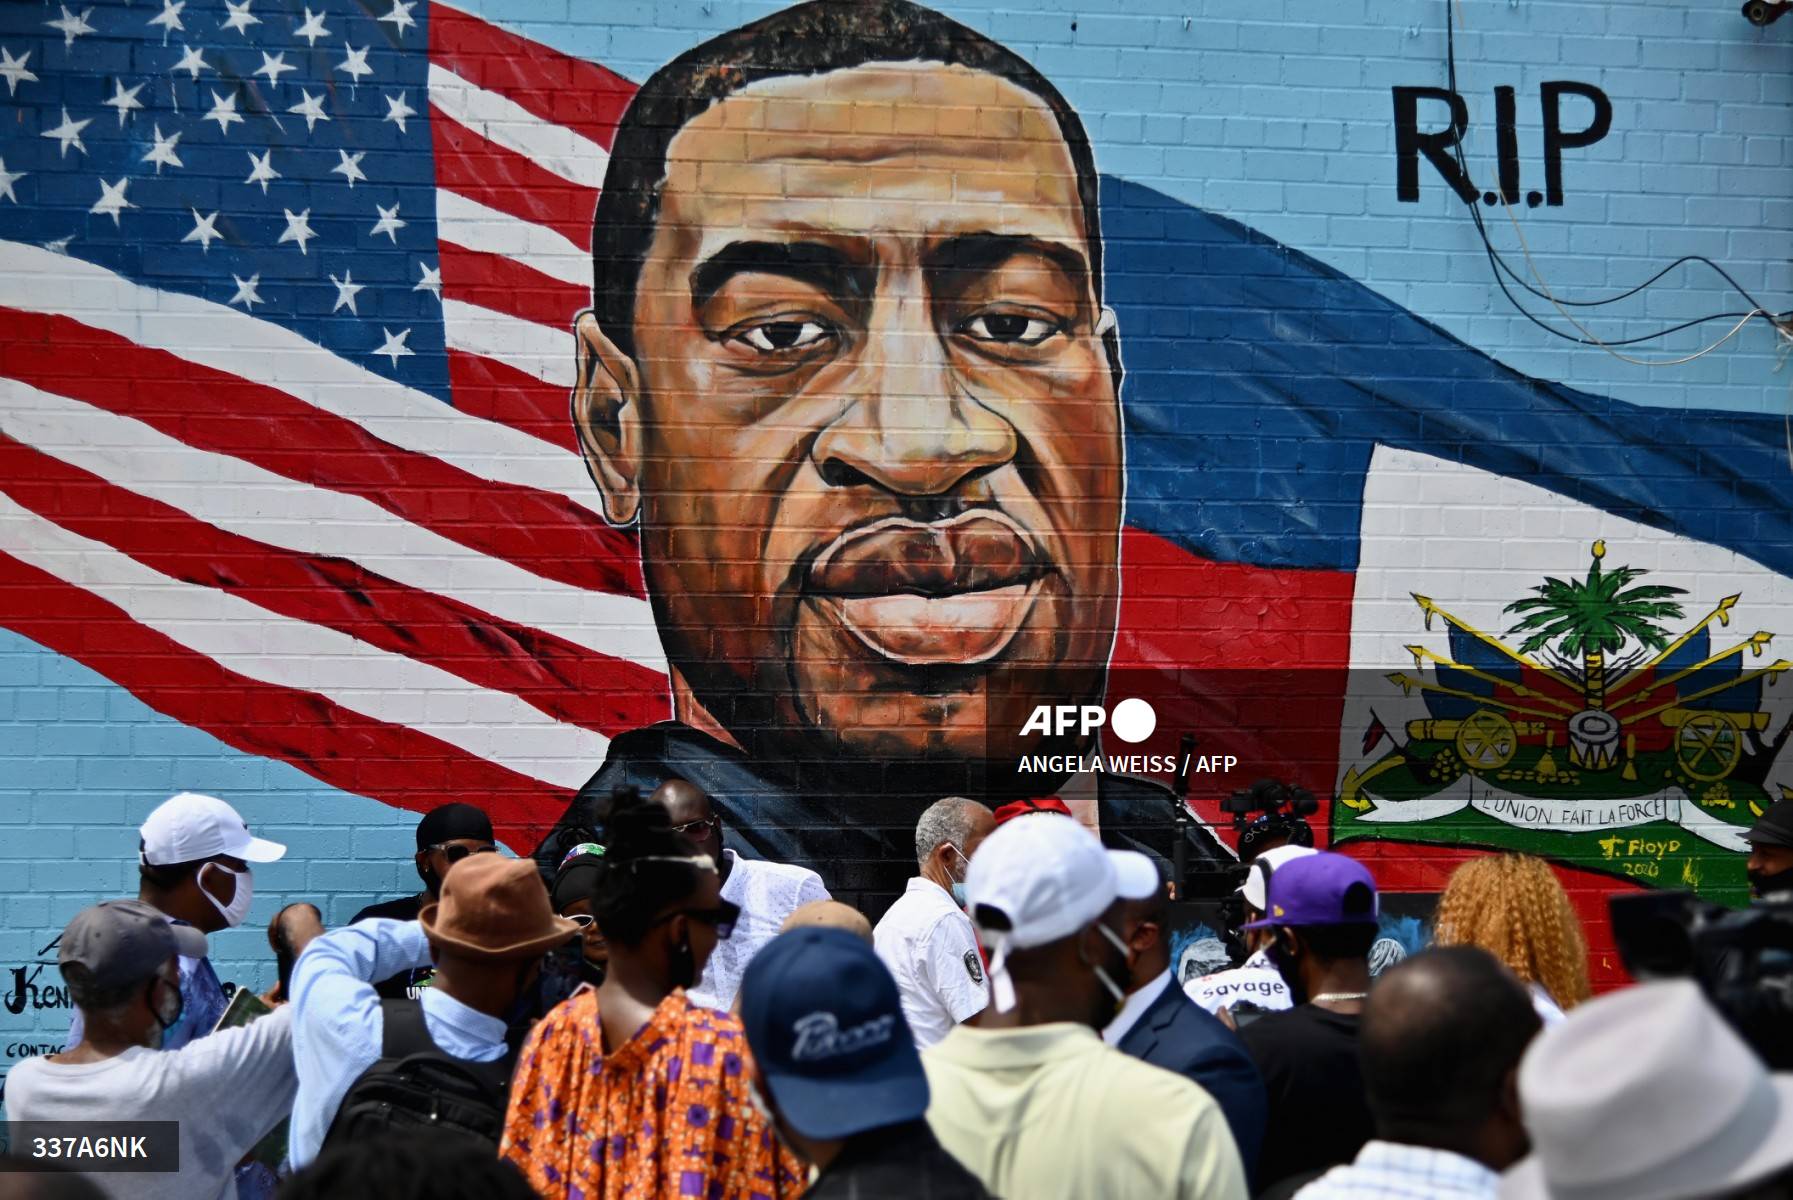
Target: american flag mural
(406, 589)
(286, 304)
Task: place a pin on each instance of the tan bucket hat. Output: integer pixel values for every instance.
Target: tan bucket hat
(495, 907)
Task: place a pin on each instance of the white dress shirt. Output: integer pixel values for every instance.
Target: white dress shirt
(1394, 1171)
(337, 1023)
(767, 892)
(931, 949)
(1134, 1008)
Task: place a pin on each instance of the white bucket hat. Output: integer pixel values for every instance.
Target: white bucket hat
(1647, 1094)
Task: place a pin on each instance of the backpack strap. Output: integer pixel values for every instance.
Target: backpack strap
(403, 1033)
(402, 1029)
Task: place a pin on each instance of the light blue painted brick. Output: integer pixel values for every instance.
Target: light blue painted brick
(1113, 30)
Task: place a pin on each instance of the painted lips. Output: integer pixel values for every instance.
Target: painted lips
(949, 592)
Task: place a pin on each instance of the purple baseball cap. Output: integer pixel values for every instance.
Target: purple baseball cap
(1320, 889)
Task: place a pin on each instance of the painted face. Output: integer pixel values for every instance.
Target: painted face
(873, 440)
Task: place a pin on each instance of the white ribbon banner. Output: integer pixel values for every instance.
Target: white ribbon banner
(1562, 816)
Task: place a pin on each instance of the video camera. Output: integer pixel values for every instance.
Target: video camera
(1742, 959)
(1281, 810)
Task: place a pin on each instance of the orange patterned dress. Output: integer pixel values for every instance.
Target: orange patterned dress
(666, 1116)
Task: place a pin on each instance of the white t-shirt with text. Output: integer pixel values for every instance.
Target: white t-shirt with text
(1253, 981)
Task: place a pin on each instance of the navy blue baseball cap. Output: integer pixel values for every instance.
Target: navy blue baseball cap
(827, 1031)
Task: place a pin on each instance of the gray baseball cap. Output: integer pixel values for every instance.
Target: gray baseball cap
(123, 941)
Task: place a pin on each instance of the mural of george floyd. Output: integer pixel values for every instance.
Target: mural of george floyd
(850, 404)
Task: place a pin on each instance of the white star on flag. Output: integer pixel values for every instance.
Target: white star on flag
(192, 62)
(394, 346)
(162, 153)
(124, 101)
(14, 71)
(431, 281)
(350, 167)
(240, 18)
(59, 245)
(204, 231)
(388, 224)
(169, 18)
(355, 65)
(400, 16)
(312, 29)
(311, 108)
(69, 133)
(298, 228)
(397, 110)
(261, 170)
(70, 25)
(224, 111)
(274, 66)
(346, 289)
(112, 199)
(246, 293)
(7, 179)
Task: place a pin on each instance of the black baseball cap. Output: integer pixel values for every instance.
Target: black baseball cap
(827, 1031)
(1775, 827)
(451, 823)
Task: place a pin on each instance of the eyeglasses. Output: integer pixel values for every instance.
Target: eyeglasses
(455, 854)
(691, 829)
(723, 917)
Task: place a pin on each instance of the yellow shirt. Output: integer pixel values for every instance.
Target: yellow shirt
(1050, 1110)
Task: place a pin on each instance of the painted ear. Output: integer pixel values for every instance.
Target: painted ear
(607, 416)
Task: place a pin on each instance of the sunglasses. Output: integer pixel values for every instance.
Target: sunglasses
(723, 917)
(455, 854)
(691, 829)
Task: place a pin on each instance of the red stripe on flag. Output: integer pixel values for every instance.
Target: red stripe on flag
(488, 388)
(555, 87)
(498, 178)
(1250, 660)
(390, 763)
(508, 286)
(212, 410)
(567, 682)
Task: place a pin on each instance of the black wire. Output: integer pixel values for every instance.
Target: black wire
(1499, 265)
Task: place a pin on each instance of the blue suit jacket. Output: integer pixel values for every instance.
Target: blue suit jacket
(1179, 1035)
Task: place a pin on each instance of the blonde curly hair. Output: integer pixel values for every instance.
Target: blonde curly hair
(1512, 906)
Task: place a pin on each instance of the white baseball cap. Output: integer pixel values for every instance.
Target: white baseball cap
(1648, 1094)
(1035, 881)
(190, 827)
(1262, 867)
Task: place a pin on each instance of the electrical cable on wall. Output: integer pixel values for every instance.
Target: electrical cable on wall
(1782, 323)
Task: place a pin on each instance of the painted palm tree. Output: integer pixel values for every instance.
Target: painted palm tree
(1594, 617)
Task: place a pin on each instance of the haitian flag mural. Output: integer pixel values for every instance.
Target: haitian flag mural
(885, 399)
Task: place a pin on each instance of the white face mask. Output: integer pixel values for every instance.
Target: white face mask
(238, 908)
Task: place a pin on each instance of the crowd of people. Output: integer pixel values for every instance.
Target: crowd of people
(664, 1019)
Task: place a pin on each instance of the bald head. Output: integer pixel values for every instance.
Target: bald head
(829, 914)
(1440, 1039)
(689, 810)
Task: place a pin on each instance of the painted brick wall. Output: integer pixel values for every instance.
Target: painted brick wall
(1330, 406)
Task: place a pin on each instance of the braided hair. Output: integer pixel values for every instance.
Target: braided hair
(646, 869)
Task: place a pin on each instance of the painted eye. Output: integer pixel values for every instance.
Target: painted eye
(779, 337)
(1010, 329)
